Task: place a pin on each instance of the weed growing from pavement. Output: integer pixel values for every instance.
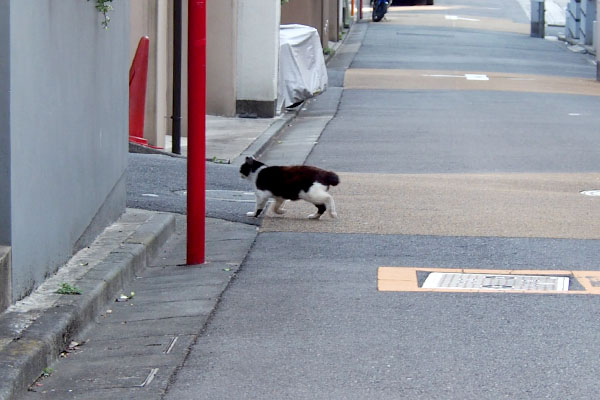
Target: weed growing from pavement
(66, 288)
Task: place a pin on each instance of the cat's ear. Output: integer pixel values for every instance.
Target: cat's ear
(250, 160)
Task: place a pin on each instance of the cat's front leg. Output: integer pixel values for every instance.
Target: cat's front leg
(278, 206)
(261, 201)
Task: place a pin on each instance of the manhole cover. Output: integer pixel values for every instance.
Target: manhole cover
(443, 280)
(591, 192)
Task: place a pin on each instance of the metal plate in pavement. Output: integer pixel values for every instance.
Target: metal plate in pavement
(443, 280)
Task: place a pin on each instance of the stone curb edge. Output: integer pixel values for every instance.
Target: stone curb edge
(138, 148)
(258, 147)
(40, 344)
(254, 150)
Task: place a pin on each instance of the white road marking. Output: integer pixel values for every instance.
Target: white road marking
(149, 378)
(591, 192)
(457, 18)
(444, 76)
(469, 77)
(476, 77)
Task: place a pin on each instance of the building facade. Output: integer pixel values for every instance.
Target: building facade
(63, 132)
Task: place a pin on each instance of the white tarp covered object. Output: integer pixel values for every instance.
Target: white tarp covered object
(302, 71)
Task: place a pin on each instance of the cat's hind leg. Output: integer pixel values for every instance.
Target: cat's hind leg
(320, 210)
(319, 196)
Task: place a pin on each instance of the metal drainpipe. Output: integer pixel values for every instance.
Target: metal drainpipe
(176, 123)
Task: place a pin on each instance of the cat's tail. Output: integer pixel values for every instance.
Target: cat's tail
(329, 178)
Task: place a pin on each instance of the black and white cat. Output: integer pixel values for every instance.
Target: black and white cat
(290, 183)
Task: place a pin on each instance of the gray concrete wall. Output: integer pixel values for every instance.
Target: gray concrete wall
(68, 130)
(597, 41)
(4, 123)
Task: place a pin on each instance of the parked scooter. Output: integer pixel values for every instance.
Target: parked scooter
(380, 7)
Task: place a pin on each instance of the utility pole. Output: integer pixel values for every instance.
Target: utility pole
(196, 167)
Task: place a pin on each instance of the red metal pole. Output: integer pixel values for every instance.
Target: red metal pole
(360, 9)
(196, 167)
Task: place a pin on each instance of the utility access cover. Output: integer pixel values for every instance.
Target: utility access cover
(444, 280)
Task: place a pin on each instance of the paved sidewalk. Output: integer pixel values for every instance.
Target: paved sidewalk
(36, 329)
(229, 140)
(135, 345)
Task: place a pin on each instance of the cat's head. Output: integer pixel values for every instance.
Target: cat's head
(249, 167)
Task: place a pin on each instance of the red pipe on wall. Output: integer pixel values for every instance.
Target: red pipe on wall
(196, 164)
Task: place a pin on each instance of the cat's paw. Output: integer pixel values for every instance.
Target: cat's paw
(251, 214)
(280, 211)
(333, 214)
(315, 216)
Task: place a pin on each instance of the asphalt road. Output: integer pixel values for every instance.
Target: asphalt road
(158, 183)
(490, 178)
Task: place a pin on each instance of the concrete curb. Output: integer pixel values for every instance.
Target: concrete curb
(258, 147)
(138, 148)
(48, 330)
(254, 150)
(575, 42)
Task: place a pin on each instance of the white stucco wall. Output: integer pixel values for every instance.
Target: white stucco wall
(68, 130)
(221, 52)
(258, 49)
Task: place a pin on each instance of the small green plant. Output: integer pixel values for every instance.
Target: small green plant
(104, 7)
(47, 371)
(220, 160)
(328, 51)
(66, 288)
